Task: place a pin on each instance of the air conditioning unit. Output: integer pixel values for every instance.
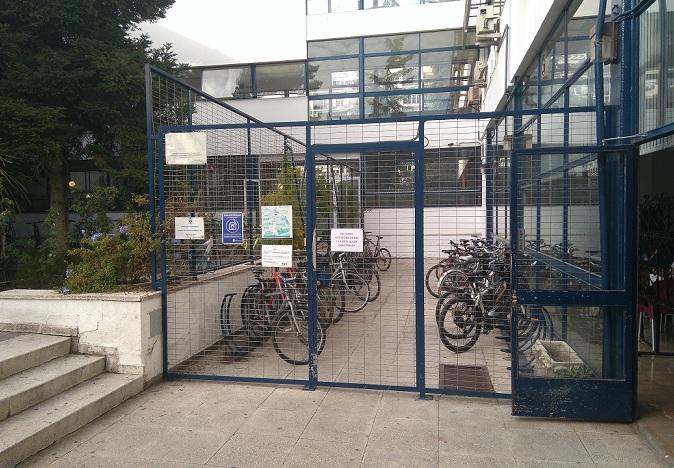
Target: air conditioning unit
(474, 97)
(480, 74)
(525, 141)
(487, 26)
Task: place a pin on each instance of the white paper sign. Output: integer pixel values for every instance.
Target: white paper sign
(189, 228)
(346, 240)
(186, 148)
(280, 256)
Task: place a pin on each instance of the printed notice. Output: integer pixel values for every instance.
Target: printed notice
(232, 228)
(186, 148)
(189, 228)
(277, 222)
(280, 256)
(346, 240)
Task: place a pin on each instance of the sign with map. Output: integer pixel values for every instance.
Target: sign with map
(277, 222)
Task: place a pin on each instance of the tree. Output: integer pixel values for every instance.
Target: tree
(71, 87)
(395, 73)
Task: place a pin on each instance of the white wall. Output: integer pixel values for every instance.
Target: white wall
(386, 21)
(440, 226)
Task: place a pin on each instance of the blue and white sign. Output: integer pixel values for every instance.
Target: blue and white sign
(232, 228)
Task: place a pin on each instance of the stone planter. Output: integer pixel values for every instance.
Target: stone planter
(557, 357)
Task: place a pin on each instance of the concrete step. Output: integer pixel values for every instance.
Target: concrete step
(25, 351)
(33, 386)
(35, 429)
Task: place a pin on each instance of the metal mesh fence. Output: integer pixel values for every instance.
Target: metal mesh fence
(238, 299)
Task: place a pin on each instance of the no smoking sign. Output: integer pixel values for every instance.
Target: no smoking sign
(232, 228)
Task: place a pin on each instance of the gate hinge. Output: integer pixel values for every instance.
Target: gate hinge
(514, 299)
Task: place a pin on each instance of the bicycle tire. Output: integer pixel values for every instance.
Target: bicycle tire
(355, 291)
(384, 260)
(375, 285)
(284, 322)
(433, 271)
(453, 280)
(471, 337)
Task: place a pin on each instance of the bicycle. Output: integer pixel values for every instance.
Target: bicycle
(374, 250)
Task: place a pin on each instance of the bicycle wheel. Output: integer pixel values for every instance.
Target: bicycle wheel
(459, 325)
(290, 336)
(432, 280)
(355, 292)
(453, 280)
(328, 306)
(374, 282)
(384, 259)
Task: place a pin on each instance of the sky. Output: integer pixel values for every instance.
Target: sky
(233, 30)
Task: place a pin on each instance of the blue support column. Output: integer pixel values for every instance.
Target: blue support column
(419, 286)
(312, 299)
(150, 169)
(514, 229)
(164, 279)
(489, 183)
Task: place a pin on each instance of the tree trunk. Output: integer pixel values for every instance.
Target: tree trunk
(58, 205)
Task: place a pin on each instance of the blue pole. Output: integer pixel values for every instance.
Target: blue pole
(514, 232)
(150, 168)
(419, 286)
(599, 71)
(312, 299)
(164, 279)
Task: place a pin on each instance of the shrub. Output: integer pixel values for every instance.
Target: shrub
(106, 262)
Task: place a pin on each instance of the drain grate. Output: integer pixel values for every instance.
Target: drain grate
(473, 378)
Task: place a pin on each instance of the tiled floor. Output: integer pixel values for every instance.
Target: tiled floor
(656, 401)
(373, 346)
(217, 424)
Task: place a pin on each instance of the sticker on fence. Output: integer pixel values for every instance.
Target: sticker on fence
(280, 256)
(186, 148)
(277, 222)
(346, 240)
(189, 228)
(232, 228)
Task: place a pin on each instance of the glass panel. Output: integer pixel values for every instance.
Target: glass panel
(450, 68)
(334, 109)
(286, 79)
(446, 38)
(392, 106)
(333, 48)
(395, 43)
(553, 65)
(580, 44)
(391, 72)
(228, 82)
(530, 100)
(389, 180)
(333, 76)
(440, 103)
(453, 177)
(565, 342)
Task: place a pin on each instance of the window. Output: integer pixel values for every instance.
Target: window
(447, 38)
(333, 48)
(448, 68)
(371, 4)
(334, 109)
(395, 43)
(452, 178)
(286, 79)
(333, 76)
(227, 82)
(319, 7)
(446, 103)
(391, 72)
(392, 106)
